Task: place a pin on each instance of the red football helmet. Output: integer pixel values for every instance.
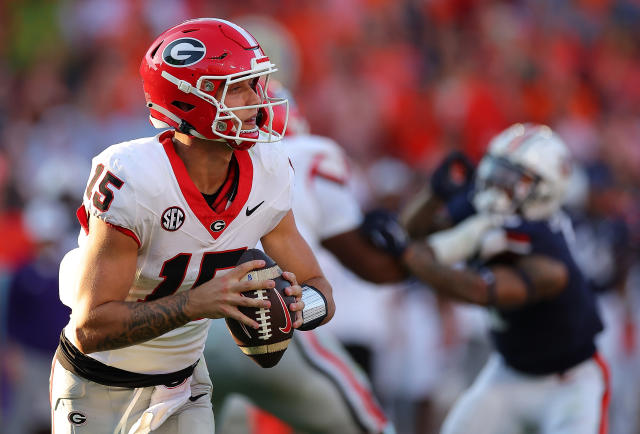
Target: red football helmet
(188, 65)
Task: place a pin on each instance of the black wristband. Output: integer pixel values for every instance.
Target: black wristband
(315, 308)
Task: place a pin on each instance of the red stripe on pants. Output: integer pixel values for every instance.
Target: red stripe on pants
(368, 400)
(606, 396)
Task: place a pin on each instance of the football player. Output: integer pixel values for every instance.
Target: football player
(164, 221)
(545, 373)
(337, 396)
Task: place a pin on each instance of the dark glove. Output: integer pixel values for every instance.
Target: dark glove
(382, 229)
(454, 175)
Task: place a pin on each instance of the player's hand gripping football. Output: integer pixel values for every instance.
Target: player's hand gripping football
(221, 296)
(294, 290)
(266, 344)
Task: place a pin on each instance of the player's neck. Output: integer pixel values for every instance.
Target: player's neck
(207, 161)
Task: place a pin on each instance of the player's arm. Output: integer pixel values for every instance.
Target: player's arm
(292, 253)
(356, 253)
(104, 321)
(424, 214)
(368, 245)
(529, 279)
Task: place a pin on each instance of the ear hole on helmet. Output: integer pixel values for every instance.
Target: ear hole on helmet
(155, 49)
(184, 106)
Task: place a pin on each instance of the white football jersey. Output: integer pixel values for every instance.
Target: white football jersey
(142, 188)
(323, 204)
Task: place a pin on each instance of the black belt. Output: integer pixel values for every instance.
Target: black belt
(75, 361)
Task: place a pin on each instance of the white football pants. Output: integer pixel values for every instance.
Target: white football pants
(505, 401)
(82, 406)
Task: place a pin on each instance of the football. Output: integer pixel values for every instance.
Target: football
(267, 344)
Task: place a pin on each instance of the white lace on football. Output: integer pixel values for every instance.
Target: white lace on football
(263, 317)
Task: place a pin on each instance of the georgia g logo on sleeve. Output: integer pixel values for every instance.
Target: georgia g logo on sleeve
(76, 418)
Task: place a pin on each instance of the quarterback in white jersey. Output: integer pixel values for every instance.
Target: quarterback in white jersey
(338, 397)
(164, 222)
(181, 241)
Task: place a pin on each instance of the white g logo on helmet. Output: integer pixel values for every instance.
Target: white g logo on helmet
(184, 52)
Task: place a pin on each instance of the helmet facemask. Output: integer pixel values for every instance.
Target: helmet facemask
(503, 187)
(226, 124)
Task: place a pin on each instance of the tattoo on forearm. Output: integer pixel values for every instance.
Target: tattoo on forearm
(148, 320)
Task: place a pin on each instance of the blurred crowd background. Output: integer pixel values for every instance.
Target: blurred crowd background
(398, 83)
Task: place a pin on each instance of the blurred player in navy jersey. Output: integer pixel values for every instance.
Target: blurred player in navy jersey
(164, 221)
(337, 397)
(545, 374)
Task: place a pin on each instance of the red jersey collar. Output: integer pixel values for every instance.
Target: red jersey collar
(213, 222)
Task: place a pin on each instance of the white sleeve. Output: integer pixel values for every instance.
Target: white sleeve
(283, 202)
(339, 207)
(110, 194)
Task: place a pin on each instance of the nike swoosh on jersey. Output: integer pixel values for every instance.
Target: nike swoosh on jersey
(195, 398)
(250, 211)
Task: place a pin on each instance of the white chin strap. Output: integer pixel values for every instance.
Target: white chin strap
(157, 123)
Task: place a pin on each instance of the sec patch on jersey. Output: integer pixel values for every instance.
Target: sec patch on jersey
(267, 344)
